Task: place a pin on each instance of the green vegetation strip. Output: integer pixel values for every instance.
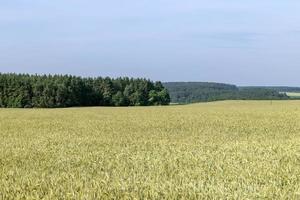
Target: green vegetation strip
(192, 92)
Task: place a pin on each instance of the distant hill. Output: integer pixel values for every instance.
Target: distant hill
(278, 88)
(292, 92)
(191, 92)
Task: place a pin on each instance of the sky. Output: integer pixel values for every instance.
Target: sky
(244, 42)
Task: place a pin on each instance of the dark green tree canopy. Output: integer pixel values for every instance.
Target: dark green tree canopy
(50, 91)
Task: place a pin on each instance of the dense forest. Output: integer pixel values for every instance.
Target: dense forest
(191, 92)
(51, 91)
(278, 89)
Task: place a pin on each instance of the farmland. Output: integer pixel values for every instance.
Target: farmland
(229, 149)
(293, 94)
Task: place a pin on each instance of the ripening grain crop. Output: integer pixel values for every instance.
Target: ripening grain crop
(223, 150)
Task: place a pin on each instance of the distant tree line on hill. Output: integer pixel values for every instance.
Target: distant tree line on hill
(191, 92)
(51, 91)
(278, 89)
(292, 92)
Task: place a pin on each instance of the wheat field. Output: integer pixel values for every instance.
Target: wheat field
(221, 150)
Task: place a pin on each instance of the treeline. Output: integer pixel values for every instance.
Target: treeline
(51, 91)
(191, 92)
(260, 93)
(279, 88)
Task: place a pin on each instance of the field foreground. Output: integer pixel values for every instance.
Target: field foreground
(223, 150)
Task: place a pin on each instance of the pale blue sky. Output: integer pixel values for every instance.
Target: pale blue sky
(245, 42)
